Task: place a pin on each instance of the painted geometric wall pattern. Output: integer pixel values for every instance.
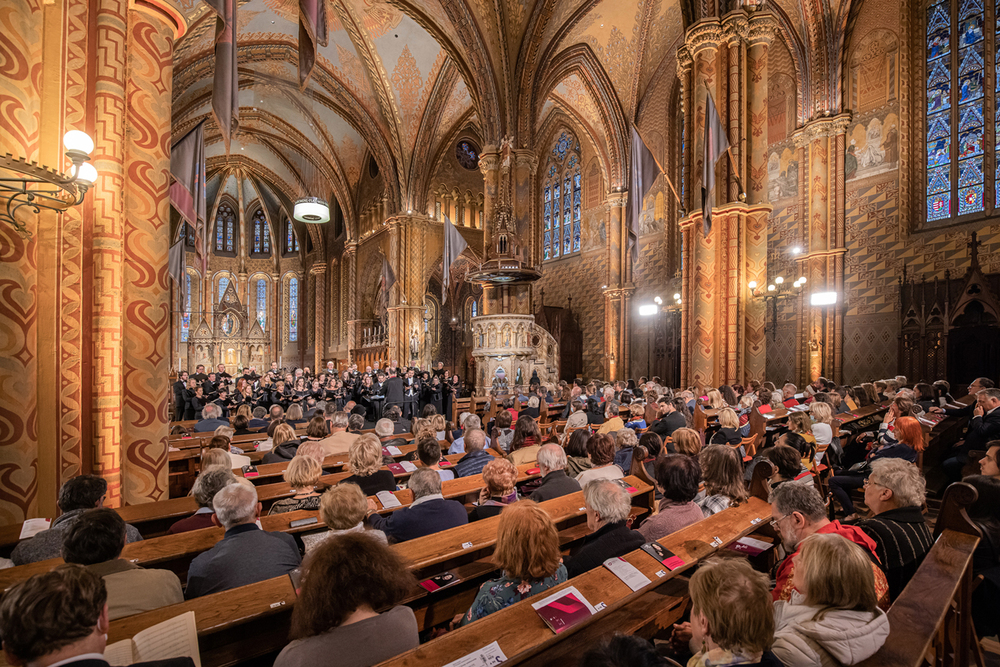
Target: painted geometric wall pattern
(580, 277)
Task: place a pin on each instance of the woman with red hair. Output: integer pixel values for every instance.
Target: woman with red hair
(907, 443)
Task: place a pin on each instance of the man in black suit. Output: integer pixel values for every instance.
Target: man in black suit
(221, 373)
(670, 419)
(977, 385)
(61, 616)
(180, 400)
(983, 427)
(429, 512)
(199, 373)
(392, 389)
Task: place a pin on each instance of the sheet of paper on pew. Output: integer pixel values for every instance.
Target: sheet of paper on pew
(32, 527)
(564, 609)
(627, 572)
(488, 655)
(401, 467)
(665, 556)
(750, 546)
(391, 451)
(388, 500)
(239, 460)
(173, 638)
(439, 581)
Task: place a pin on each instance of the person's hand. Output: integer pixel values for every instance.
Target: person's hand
(456, 621)
(977, 411)
(484, 495)
(680, 637)
(935, 410)
(372, 507)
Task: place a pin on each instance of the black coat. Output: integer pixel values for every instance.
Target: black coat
(555, 485)
(393, 388)
(614, 539)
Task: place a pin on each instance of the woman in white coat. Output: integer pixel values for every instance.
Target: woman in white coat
(833, 618)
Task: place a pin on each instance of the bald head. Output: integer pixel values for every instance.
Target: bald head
(550, 458)
(475, 440)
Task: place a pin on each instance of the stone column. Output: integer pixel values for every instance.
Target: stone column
(275, 319)
(318, 272)
(350, 270)
(525, 210)
(614, 301)
(489, 163)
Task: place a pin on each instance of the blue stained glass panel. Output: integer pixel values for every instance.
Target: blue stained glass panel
(970, 200)
(218, 235)
(939, 206)
(555, 192)
(971, 116)
(939, 180)
(970, 80)
(567, 237)
(262, 303)
(939, 152)
(547, 244)
(576, 213)
(970, 172)
(970, 31)
(256, 236)
(293, 309)
(970, 142)
(576, 236)
(572, 161)
(548, 194)
(229, 235)
(552, 171)
(223, 284)
(186, 316)
(475, 308)
(938, 87)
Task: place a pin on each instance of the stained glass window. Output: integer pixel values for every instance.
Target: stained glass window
(291, 240)
(225, 222)
(189, 231)
(223, 284)
(475, 308)
(262, 302)
(261, 236)
(293, 309)
(957, 89)
(467, 154)
(562, 199)
(186, 314)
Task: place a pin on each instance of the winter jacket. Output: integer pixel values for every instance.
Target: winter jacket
(839, 637)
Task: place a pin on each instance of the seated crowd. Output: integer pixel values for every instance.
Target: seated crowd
(822, 604)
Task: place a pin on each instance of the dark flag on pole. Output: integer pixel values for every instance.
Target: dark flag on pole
(175, 260)
(388, 280)
(454, 245)
(226, 86)
(716, 145)
(187, 192)
(312, 33)
(642, 174)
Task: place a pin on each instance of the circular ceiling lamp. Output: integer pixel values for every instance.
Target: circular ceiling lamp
(311, 210)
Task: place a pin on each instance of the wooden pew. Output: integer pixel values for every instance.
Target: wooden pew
(932, 616)
(262, 610)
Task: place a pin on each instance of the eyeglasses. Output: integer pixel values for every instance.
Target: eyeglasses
(774, 522)
(869, 482)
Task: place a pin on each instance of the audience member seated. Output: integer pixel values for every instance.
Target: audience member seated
(395, 414)
(77, 495)
(601, 452)
(729, 429)
(576, 453)
(471, 423)
(623, 651)
(246, 554)
(502, 432)
(340, 439)
(555, 482)
(654, 448)
(894, 493)
(527, 554)
(833, 617)
(687, 441)
(258, 422)
(526, 442)
(208, 483)
(241, 424)
(342, 509)
(989, 465)
(798, 511)
(365, 459)
(722, 472)
(211, 419)
(983, 427)
(355, 423)
(612, 420)
(476, 457)
(822, 428)
(608, 505)
(532, 409)
(302, 474)
(677, 480)
(429, 512)
(625, 443)
(595, 411)
(294, 416)
(316, 429)
(429, 453)
(96, 540)
(637, 414)
(344, 628)
(907, 442)
(499, 475)
(672, 417)
(985, 512)
(732, 620)
(61, 618)
(578, 415)
(286, 444)
(787, 462)
(312, 449)
(384, 428)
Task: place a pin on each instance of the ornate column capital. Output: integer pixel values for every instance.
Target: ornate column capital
(735, 26)
(685, 61)
(616, 200)
(526, 158)
(762, 28)
(489, 161)
(317, 269)
(350, 248)
(706, 34)
(822, 127)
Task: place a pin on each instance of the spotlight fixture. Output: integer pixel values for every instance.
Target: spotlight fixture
(311, 210)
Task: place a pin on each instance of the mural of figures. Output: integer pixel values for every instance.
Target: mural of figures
(782, 175)
(872, 147)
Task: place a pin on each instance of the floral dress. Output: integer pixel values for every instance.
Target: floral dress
(498, 594)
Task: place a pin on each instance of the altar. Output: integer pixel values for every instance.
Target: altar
(232, 338)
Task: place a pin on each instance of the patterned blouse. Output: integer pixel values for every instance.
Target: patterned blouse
(498, 594)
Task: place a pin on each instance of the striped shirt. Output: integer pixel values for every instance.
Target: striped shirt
(902, 539)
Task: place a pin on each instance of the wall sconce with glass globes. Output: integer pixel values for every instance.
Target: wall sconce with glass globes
(778, 289)
(65, 190)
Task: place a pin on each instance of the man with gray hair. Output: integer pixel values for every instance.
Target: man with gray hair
(608, 506)
(339, 441)
(428, 513)
(471, 423)
(210, 419)
(555, 482)
(355, 424)
(798, 511)
(476, 457)
(258, 421)
(612, 418)
(384, 428)
(895, 491)
(246, 554)
(209, 483)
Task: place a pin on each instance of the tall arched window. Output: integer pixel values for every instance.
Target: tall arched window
(261, 244)
(291, 240)
(225, 226)
(962, 46)
(186, 314)
(223, 284)
(293, 309)
(561, 199)
(262, 303)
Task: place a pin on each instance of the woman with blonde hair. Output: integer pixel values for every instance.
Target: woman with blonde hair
(438, 423)
(799, 422)
(294, 415)
(527, 553)
(729, 429)
(365, 458)
(833, 617)
(499, 475)
(215, 457)
(342, 509)
(732, 622)
(687, 441)
(302, 474)
(244, 411)
(715, 400)
(286, 444)
(722, 472)
(822, 428)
